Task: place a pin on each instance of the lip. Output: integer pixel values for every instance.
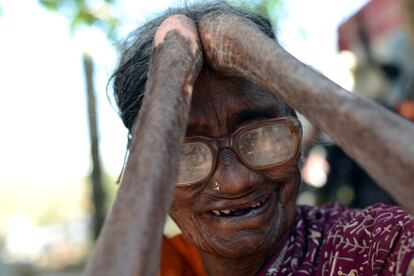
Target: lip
(249, 215)
(242, 203)
(237, 203)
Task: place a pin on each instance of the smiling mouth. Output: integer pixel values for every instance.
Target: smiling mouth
(250, 210)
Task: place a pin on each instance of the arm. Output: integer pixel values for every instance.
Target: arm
(380, 141)
(130, 240)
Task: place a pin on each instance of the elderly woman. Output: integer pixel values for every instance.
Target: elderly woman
(216, 145)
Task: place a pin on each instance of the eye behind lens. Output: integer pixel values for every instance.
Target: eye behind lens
(267, 145)
(195, 163)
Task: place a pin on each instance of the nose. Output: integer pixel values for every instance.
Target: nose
(234, 178)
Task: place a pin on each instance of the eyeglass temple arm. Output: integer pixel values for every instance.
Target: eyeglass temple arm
(380, 141)
(130, 241)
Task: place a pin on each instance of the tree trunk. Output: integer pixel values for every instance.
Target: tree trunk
(408, 7)
(98, 192)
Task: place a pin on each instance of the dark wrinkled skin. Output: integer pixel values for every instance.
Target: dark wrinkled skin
(130, 241)
(129, 245)
(240, 247)
(380, 141)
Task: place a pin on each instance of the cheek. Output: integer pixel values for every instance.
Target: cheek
(182, 213)
(289, 179)
(289, 190)
(183, 218)
(181, 209)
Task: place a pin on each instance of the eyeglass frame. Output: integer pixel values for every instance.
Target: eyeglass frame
(231, 141)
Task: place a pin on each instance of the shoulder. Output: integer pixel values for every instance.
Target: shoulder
(375, 216)
(179, 257)
(373, 240)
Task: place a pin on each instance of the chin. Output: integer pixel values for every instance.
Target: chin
(248, 242)
(238, 237)
(250, 225)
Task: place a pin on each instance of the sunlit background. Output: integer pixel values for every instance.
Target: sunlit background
(45, 159)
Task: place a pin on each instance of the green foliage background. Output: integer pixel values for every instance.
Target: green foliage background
(101, 13)
(272, 9)
(82, 12)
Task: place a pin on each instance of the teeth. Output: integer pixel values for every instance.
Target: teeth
(223, 212)
(258, 204)
(228, 211)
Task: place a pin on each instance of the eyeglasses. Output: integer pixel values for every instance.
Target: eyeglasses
(259, 146)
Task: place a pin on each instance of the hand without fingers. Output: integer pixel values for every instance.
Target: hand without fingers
(130, 240)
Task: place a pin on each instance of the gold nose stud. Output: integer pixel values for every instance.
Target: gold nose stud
(216, 186)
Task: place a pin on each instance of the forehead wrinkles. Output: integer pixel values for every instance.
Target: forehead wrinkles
(217, 118)
(217, 101)
(211, 107)
(253, 94)
(203, 112)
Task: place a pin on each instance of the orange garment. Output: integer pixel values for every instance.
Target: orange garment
(180, 258)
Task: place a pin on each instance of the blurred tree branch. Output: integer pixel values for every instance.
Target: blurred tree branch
(408, 7)
(82, 12)
(271, 9)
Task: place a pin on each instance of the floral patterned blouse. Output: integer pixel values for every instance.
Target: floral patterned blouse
(335, 240)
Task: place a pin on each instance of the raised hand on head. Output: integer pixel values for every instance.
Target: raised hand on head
(131, 238)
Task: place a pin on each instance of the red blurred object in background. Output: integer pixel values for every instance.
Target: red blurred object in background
(406, 109)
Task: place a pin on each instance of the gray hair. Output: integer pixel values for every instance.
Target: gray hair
(131, 75)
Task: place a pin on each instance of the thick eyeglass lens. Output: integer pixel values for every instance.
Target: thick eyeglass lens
(195, 163)
(267, 145)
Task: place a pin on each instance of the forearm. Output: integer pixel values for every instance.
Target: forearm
(381, 142)
(130, 241)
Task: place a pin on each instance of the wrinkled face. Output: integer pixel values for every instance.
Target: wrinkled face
(263, 201)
